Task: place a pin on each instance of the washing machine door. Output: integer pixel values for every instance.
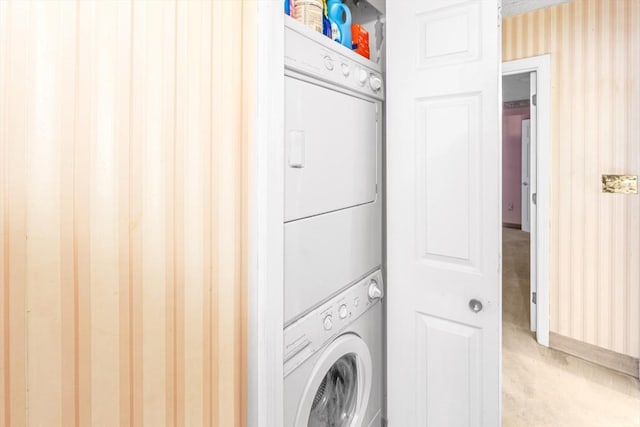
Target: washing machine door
(338, 390)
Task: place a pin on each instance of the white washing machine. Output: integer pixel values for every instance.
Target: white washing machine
(333, 169)
(334, 361)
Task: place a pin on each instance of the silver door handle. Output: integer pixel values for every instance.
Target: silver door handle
(475, 306)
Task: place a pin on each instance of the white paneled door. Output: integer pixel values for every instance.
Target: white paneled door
(443, 242)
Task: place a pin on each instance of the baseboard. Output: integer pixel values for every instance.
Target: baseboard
(598, 355)
(510, 225)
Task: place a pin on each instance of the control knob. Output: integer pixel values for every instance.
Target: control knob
(374, 291)
(328, 63)
(362, 77)
(375, 83)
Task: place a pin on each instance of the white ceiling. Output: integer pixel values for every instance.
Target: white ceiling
(516, 7)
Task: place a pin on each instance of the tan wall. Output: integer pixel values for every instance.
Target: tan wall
(595, 237)
(122, 145)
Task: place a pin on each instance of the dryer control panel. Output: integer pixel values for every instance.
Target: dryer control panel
(310, 333)
(311, 53)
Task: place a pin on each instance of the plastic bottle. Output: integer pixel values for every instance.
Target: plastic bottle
(309, 12)
(326, 24)
(340, 19)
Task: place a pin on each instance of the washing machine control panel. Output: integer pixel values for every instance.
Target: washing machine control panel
(310, 333)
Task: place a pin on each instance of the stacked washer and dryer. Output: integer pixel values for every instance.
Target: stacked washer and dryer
(333, 336)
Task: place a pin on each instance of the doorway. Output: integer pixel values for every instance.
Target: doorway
(526, 162)
(518, 113)
(516, 138)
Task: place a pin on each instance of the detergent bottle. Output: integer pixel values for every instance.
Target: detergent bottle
(340, 19)
(326, 24)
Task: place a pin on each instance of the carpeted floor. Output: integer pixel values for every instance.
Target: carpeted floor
(544, 387)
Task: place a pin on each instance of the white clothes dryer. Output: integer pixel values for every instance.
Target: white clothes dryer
(334, 361)
(332, 169)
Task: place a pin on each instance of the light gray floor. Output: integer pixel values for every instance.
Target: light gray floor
(545, 387)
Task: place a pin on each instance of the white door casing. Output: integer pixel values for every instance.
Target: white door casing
(525, 179)
(265, 296)
(443, 213)
(540, 69)
(532, 200)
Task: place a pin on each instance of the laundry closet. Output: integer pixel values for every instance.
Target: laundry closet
(382, 182)
(333, 210)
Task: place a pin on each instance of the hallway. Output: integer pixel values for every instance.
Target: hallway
(544, 387)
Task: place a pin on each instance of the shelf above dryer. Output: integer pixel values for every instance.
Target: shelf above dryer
(364, 13)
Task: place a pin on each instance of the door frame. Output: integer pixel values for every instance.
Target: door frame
(265, 234)
(542, 66)
(523, 151)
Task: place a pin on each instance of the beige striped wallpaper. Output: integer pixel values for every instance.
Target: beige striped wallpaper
(123, 135)
(595, 237)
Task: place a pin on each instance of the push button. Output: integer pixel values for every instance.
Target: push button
(327, 323)
(343, 312)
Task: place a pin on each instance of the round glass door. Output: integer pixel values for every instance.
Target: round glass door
(337, 394)
(335, 401)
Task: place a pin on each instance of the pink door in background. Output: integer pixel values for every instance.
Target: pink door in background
(513, 114)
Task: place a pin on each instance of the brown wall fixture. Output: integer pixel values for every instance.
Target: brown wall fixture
(624, 184)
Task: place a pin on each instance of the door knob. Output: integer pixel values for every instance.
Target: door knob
(475, 306)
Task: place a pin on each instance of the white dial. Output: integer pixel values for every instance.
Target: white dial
(362, 77)
(343, 311)
(328, 63)
(375, 83)
(374, 291)
(327, 323)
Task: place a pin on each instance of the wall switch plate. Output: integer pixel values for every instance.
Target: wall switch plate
(623, 184)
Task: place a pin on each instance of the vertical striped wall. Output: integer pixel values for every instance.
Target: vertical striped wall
(595, 237)
(123, 129)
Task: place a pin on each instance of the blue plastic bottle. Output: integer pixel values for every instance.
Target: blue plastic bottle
(326, 24)
(340, 18)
